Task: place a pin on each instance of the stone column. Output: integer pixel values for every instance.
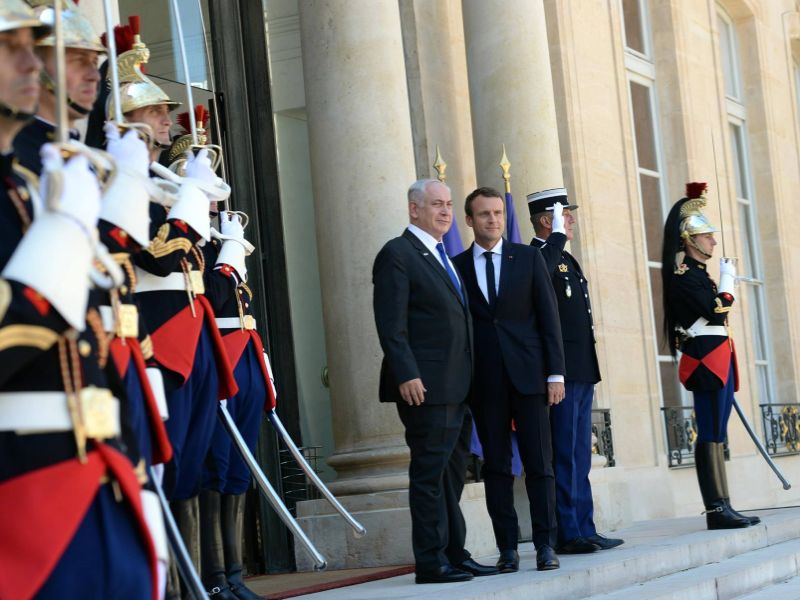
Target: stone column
(362, 162)
(511, 94)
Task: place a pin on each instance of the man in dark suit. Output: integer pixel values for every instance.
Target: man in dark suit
(519, 373)
(425, 331)
(571, 421)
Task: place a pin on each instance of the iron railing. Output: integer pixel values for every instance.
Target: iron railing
(601, 429)
(296, 486)
(781, 428)
(681, 429)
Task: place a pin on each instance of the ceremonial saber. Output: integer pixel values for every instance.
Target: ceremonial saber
(182, 560)
(185, 64)
(266, 488)
(62, 134)
(760, 446)
(358, 528)
(112, 62)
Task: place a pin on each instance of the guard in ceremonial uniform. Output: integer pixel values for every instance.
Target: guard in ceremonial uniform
(571, 420)
(695, 322)
(226, 477)
(71, 514)
(170, 291)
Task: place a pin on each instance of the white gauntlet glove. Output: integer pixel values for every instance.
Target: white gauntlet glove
(727, 275)
(558, 218)
(233, 249)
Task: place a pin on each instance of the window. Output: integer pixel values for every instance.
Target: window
(749, 266)
(652, 194)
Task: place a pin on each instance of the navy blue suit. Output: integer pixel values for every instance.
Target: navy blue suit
(517, 345)
(571, 420)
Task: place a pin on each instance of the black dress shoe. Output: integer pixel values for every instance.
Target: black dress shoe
(478, 570)
(508, 561)
(444, 574)
(546, 559)
(603, 542)
(578, 545)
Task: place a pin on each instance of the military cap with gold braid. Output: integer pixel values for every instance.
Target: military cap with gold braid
(15, 14)
(137, 90)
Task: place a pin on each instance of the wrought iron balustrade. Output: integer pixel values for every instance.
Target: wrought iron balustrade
(781, 428)
(681, 430)
(601, 429)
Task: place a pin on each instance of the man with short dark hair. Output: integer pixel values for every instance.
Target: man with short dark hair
(425, 332)
(519, 374)
(571, 421)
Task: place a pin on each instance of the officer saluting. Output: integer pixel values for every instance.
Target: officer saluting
(66, 490)
(571, 420)
(695, 322)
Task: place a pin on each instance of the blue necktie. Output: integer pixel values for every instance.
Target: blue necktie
(450, 272)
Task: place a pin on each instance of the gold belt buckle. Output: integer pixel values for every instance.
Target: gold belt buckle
(128, 324)
(196, 281)
(249, 322)
(100, 412)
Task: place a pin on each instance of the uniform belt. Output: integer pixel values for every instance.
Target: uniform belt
(236, 322)
(47, 412)
(701, 327)
(147, 282)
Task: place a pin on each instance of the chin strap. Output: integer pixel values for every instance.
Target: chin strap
(15, 114)
(690, 240)
(50, 86)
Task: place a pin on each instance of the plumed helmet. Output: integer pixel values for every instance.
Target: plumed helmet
(15, 14)
(78, 31)
(693, 221)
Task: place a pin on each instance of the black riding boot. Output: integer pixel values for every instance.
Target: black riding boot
(720, 457)
(711, 476)
(232, 526)
(211, 554)
(188, 521)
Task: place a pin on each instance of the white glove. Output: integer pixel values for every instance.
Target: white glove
(727, 275)
(78, 189)
(129, 151)
(230, 225)
(558, 218)
(198, 166)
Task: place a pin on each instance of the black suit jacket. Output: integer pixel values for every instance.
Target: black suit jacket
(523, 333)
(424, 329)
(574, 308)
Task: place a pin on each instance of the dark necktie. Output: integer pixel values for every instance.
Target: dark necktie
(450, 272)
(490, 286)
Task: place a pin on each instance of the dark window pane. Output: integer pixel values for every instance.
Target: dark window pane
(658, 309)
(670, 386)
(643, 127)
(634, 34)
(653, 219)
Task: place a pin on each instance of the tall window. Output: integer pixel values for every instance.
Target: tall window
(750, 264)
(652, 194)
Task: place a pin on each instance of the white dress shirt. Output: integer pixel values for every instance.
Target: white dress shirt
(430, 243)
(480, 272)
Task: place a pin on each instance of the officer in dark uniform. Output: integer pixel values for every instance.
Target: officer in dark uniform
(695, 322)
(70, 506)
(571, 420)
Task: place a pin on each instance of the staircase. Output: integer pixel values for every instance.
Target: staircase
(670, 559)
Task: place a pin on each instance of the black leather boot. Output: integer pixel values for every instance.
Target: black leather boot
(232, 526)
(710, 476)
(212, 558)
(720, 457)
(186, 513)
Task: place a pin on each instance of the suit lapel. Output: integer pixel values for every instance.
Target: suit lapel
(434, 263)
(506, 266)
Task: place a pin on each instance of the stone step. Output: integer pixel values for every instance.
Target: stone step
(652, 550)
(784, 590)
(726, 580)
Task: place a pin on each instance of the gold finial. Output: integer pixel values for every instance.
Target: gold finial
(505, 165)
(440, 166)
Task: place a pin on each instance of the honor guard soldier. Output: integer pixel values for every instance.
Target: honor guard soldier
(226, 477)
(695, 323)
(571, 421)
(170, 291)
(70, 506)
